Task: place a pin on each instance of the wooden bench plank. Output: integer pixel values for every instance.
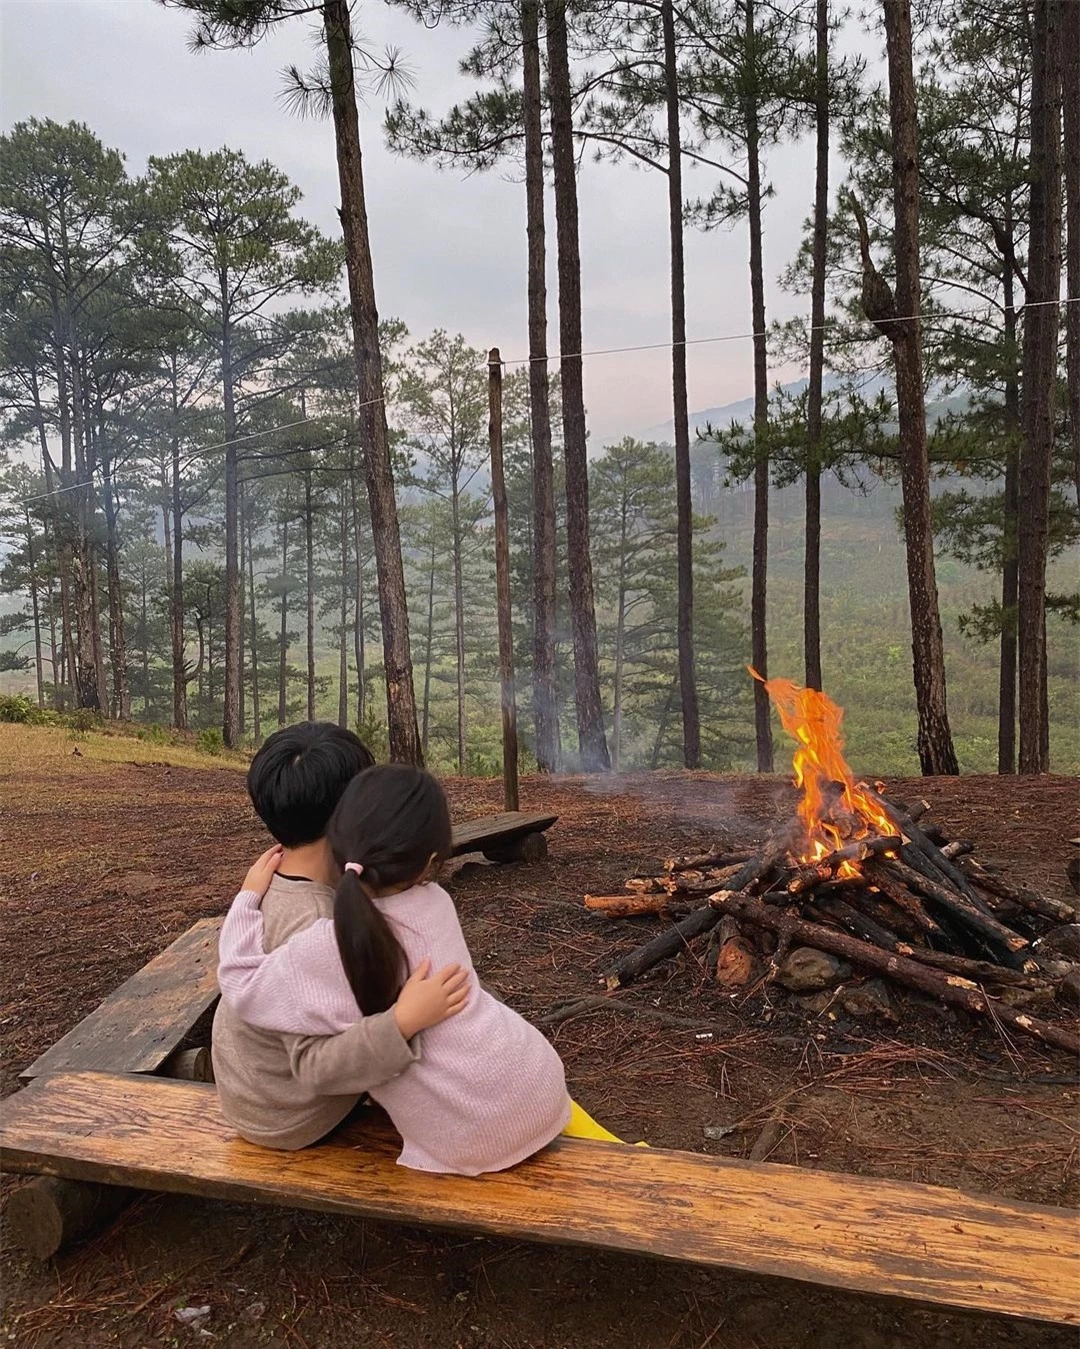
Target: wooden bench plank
(136, 1028)
(493, 831)
(931, 1245)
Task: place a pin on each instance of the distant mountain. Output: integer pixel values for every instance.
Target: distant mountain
(743, 410)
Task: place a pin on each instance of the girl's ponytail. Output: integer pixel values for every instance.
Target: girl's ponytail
(371, 955)
(390, 829)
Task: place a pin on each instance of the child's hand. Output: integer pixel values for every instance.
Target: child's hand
(262, 873)
(430, 998)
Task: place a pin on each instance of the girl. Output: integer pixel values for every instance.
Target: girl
(488, 1089)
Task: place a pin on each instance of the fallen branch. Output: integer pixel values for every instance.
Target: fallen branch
(950, 988)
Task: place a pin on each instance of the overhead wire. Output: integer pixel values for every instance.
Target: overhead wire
(970, 315)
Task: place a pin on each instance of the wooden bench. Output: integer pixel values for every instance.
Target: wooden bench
(511, 837)
(934, 1246)
(137, 1028)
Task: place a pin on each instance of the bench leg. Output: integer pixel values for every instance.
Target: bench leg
(528, 848)
(50, 1213)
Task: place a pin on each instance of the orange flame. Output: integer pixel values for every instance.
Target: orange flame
(828, 789)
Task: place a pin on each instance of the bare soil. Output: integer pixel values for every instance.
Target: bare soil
(107, 863)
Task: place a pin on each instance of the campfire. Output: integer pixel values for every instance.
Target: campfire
(856, 877)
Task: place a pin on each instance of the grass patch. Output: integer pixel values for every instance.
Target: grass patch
(26, 746)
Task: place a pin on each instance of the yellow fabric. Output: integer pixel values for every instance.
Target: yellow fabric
(584, 1126)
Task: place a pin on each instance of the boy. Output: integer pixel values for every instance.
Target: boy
(288, 1091)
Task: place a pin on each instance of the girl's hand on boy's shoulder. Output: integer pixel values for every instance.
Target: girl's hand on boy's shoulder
(428, 999)
(262, 873)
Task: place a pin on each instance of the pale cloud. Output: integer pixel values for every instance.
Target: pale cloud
(449, 250)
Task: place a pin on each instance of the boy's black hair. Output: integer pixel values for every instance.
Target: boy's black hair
(296, 780)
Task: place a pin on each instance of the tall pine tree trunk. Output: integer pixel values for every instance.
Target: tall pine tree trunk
(88, 669)
(459, 625)
(359, 639)
(1039, 381)
(176, 606)
(397, 657)
(31, 564)
(343, 613)
(936, 753)
(256, 707)
(592, 741)
(759, 570)
(1010, 507)
(283, 630)
(234, 631)
(815, 391)
(309, 557)
(684, 544)
(620, 637)
(121, 692)
(428, 640)
(1070, 85)
(545, 714)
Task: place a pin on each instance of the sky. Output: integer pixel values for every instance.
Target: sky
(449, 249)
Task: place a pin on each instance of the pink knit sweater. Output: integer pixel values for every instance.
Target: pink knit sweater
(488, 1090)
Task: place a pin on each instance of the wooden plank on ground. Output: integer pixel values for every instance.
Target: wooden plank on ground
(136, 1028)
(493, 831)
(931, 1245)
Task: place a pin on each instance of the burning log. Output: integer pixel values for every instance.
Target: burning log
(806, 878)
(953, 989)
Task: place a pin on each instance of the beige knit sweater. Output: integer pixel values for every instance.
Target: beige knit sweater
(287, 1091)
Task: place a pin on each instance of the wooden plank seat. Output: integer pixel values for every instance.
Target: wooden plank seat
(514, 836)
(140, 1025)
(930, 1245)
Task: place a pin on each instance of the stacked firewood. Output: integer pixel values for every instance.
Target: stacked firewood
(910, 905)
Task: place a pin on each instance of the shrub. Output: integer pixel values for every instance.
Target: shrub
(17, 709)
(210, 741)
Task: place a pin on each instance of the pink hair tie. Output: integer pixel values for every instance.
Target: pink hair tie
(354, 866)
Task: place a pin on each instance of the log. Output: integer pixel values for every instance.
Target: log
(976, 970)
(628, 906)
(668, 943)
(805, 878)
(1058, 910)
(958, 848)
(714, 857)
(698, 881)
(863, 927)
(929, 851)
(529, 848)
(972, 918)
(902, 897)
(48, 1213)
(679, 936)
(189, 1065)
(953, 989)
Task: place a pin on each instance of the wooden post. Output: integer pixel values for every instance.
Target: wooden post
(502, 582)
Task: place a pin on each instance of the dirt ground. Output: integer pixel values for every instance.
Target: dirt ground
(105, 863)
